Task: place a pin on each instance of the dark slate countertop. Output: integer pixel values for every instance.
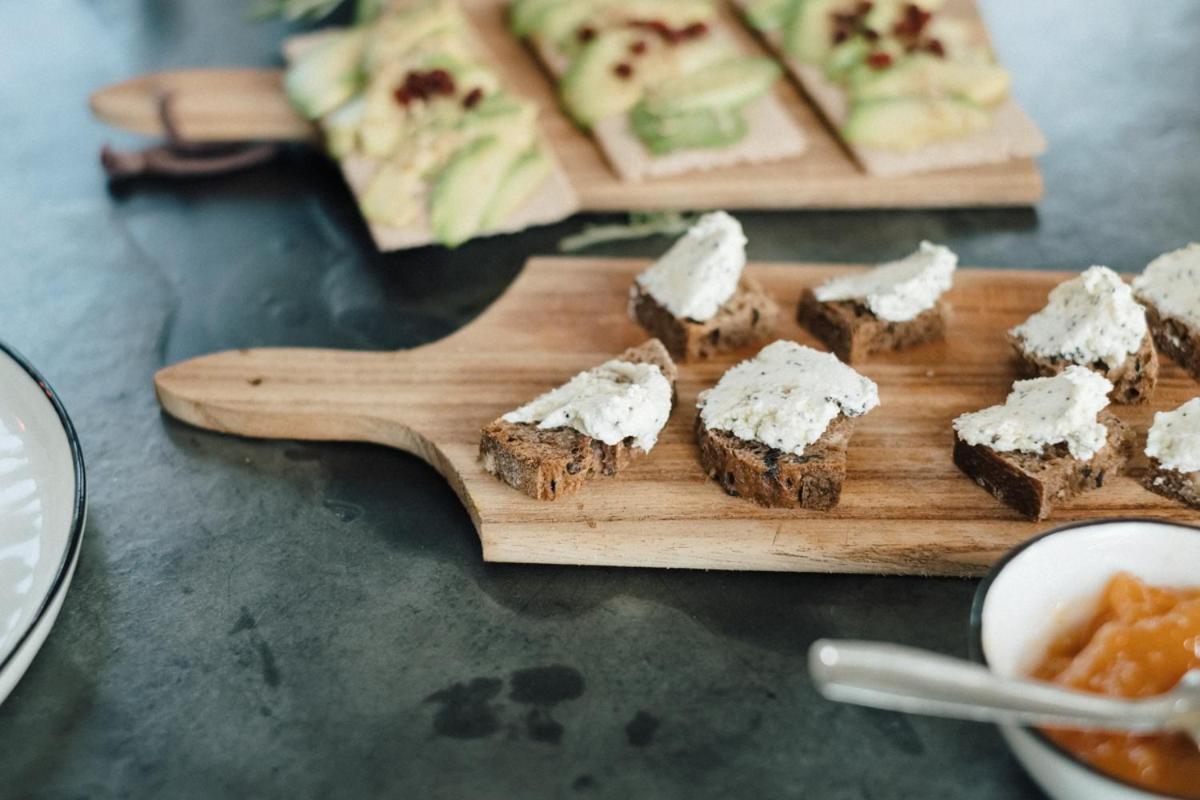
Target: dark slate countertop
(299, 620)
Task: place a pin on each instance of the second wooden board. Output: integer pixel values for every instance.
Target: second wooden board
(905, 509)
(236, 104)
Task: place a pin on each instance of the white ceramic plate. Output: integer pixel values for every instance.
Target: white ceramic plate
(1052, 583)
(42, 508)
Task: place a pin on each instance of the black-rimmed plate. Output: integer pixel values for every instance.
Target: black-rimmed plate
(42, 508)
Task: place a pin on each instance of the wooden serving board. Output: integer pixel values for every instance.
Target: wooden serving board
(905, 508)
(224, 105)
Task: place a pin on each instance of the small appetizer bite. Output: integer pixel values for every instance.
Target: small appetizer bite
(432, 143)
(1093, 321)
(662, 85)
(775, 429)
(598, 422)
(892, 307)
(695, 298)
(1170, 290)
(910, 88)
(1050, 441)
(1173, 447)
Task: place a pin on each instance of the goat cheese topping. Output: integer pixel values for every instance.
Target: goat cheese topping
(701, 270)
(613, 402)
(1174, 439)
(786, 396)
(1172, 283)
(898, 290)
(1043, 412)
(1089, 318)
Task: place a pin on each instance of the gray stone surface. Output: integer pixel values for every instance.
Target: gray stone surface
(282, 619)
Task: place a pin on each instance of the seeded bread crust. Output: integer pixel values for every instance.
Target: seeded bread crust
(1133, 380)
(1174, 337)
(1034, 484)
(773, 478)
(853, 332)
(749, 316)
(548, 463)
(1173, 484)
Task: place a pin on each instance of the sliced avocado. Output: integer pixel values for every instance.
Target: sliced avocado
(511, 120)
(395, 35)
(675, 13)
(524, 177)
(463, 191)
(808, 28)
(390, 197)
(591, 88)
(693, 130)
(908, 123)
(689, 56)
(924, 75)
(846, 56)
(524, 16)
(341, 128)
(731, 83)
(767, 15)
(559, 24)
(327, 75)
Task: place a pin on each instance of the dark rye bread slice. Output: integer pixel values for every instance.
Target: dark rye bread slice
(773, 478)
(748, 317)
(852, 331)
(1035, 483)
(1133, 379)
(1173, 484)
(1175, 337)
(548, 463)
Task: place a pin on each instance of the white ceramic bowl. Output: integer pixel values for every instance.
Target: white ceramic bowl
(1052, 583)
(42, 508)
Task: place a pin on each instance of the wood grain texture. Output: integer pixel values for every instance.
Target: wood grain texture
(222, 105)
(905, 507)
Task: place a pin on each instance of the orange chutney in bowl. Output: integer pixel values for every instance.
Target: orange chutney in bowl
(1140, 642)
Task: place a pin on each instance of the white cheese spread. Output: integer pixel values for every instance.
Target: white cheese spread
(786, 396)
(1044, 412)
(1089, 318)
(615, 401)
(1172, 283)
(898, 291)
(1174, 438)
(701, 270)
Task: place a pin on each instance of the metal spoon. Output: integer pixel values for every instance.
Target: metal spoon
(920, 682)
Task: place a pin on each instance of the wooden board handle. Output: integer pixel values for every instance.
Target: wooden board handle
(207, 105)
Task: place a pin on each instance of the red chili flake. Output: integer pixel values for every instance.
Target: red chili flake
(623, 71)
(840, 35)
(472, 98)
(879, 60)
(935, 46)
(402, 96)
(637, 48)
(694, 30)
(912, 23)
(441, 82)
(864, 8)
(870, 35)
(585, 33)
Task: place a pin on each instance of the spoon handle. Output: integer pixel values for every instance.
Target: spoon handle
(920, 682)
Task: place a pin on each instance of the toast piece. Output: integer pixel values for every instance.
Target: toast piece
(1183, 487)
(771, 477)
(548, 463)
(1133, 380)
(853, 331)
(1175, 337)
(1035, 483)
(749, 316)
